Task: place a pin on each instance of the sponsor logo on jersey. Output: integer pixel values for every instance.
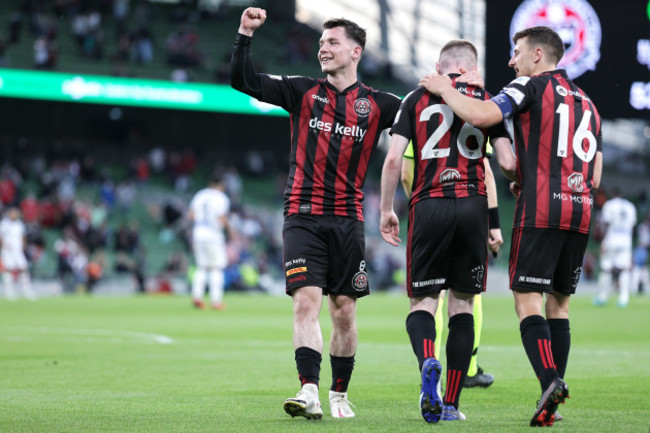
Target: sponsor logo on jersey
(449, 176)
(336, 128)
(465, 91)
(562, 91)
(321, 99)
(362, 107)
(297, 270)
(574, 198)
(576, 182)
(574, 20)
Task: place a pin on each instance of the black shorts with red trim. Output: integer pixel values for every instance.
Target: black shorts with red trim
(326, 252)
(546, 260)
(447, 246)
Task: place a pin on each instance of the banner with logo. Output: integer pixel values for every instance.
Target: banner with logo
(607, 47)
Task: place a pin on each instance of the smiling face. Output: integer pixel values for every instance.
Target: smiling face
(337, 52)
(523, 59)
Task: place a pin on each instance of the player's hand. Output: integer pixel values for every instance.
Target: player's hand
(251, 20)
(389, 228)
(515, 189)
(473, 78)
(435, 83)
(495, 240)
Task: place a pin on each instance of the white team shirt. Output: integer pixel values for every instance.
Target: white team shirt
(12, 234)
(208, 206)
(620, 216)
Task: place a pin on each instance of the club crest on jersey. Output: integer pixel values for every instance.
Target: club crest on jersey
(576, 182)
(360, 279)
(449, 176)
(362, 107)
(574, 20)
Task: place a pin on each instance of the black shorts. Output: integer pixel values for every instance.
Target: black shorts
(447, 246)
(327, 252)
(546, 260)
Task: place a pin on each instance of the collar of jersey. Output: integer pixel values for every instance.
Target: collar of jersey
(335, 90)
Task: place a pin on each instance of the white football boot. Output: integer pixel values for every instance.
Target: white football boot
(340, 405)
(305, 403)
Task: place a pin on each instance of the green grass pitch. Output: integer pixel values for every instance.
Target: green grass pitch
(153, 364)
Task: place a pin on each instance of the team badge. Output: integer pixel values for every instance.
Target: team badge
(574, 20)
(362, 107)
(360, 279)
(576, 182)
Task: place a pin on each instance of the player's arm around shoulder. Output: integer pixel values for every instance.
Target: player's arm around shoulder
(481, 114)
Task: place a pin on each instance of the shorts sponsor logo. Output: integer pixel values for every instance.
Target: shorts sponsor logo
(298, 261)
(431, 282)
(362, 107)
(449, 176)
(296, 270)
(576, 276)
(534, 280)
(574, 20)
(297, 279)
(478, 273)
(576, 182)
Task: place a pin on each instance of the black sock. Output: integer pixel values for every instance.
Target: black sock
(460, 344)
(536, 337)
(342, 367)
(560, 343)
(308, 365)
(421, 327)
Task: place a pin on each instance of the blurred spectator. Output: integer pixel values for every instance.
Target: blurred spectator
(15, 27)
(640, 276)
(45, 52)
(183, 48)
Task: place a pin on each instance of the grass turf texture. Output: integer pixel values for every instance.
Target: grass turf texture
(153, 364)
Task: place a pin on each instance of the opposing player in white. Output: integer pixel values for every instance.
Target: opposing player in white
(14, 262)
(619, 218)
(208, 212)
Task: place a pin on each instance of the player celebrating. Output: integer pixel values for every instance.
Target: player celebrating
(335, 127)
(448, 224)
(558, 142)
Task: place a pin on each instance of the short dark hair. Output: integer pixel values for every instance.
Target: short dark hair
(352, 30)
(546, 36)
(216, 177)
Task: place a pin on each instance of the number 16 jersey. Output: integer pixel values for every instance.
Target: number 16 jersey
(557, 134)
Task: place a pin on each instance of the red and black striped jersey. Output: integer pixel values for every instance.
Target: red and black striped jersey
(333, 136)
(448, 151)
(557, 134)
